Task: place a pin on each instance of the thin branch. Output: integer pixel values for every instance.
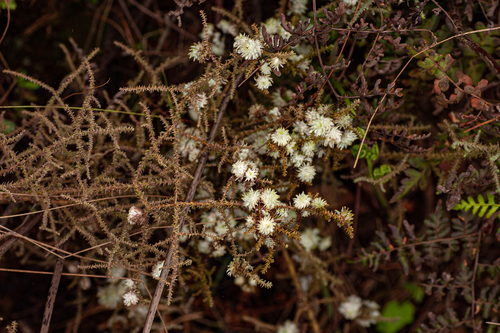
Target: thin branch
(189, 197)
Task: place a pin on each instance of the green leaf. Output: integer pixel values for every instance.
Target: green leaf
(26, 84)
(404, 311)
(481, 207)
(12, 4)
(416, 291)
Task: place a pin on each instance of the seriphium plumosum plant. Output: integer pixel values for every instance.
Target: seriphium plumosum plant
(241, 170)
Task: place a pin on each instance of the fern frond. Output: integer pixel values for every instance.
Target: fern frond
(479, 208)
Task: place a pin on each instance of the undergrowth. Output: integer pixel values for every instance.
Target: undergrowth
(327, 148)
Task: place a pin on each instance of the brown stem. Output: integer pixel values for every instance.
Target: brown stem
(49, 305)
(189, 197)
(22, 229)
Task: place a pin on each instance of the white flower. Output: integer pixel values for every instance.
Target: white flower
(325, 243)
(290, 148)
(297, 159)
(130, 298)
(350, 308)
(134, 215)
(249, 222)
(204, 246)
(251, 174)
(319, 203)
(347, 139)
(298, 7)
(344, 122)
(239, 169)
(301, 128)
(308, 148)
(307, 173)
(270, 198)
(350, 2)
(276, 62)
(263, 81)
(288, 327)
(302, 200)
(333, 137)
(281, 137)
(310, 239)
(321, 126)
(195, 51)
(219, 252)
(227, 27)
(251, 198)
(265, 69)
(157, 270)
(249, 48)
(129, 283)
(266, 225)
(281, 213)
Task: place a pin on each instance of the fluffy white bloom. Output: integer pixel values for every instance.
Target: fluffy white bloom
(325, 243)
(310, 239)
(249, 222)
(275, 112)
(350, 2)
(249, 48)
(266, 225)
(347, 139)
(243, 154)
(308, 148)
(130, 298)
(301, 128)
(265, 69)
(129, 283)
(319, 203)
(350, 308)
(281, 213)
(227, 27)
(270, 198)
(307, 173)
(276, 62)
(298, 159)
(298, 7)
(333, 137)
(344, 121)
(219, 252)
(302, 200)
(251, 198)
(204, 246)
(195, 51)
(288, 327)
(321, 126)
(157, 270)
(239, 169)
(134, 215)
(371, 315)
(263, 81)
(251, 174)
(291, 147)
(281, 137)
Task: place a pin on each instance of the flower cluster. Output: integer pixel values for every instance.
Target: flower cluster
(364, 312)
(311, 240)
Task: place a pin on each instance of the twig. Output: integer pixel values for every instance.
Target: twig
(189, 197)
(22, 229)
(54, 285)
